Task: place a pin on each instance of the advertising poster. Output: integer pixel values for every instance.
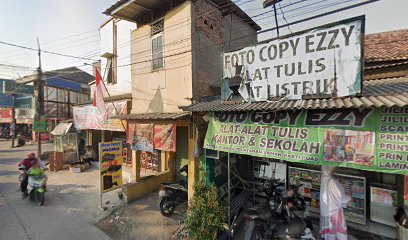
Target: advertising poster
(142, 137)
(349, 146)
(324, 61)
(88, 117)
(110, 162)
(365, 138)
(165, 137)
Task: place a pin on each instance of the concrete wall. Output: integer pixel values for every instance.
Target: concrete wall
(115, 39)
(166, 89)
(213, 34)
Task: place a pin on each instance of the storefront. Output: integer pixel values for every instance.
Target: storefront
(272, 124)
(161, 144)
(367, 144)
(100, 128)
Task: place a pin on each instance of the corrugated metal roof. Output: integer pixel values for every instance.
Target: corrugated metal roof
(376, 93)
(139, 11)
(61, 129)
(154, 116)
(119, 97)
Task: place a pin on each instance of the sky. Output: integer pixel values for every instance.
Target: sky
(71, 26)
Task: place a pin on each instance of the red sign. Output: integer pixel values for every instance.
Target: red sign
(5, 113)
(165, 137)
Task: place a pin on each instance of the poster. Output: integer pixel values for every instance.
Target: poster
(165, 137)
(88, 117)
(142, 137)
(349, 146)
(366, 138)
(324, 61)
(110, 162)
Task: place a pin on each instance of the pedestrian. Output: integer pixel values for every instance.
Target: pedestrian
(89, 155)
(28, 162)
(332, 201)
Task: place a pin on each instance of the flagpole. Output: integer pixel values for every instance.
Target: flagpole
(117, 112)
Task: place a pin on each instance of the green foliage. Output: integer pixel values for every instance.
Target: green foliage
(206, 214)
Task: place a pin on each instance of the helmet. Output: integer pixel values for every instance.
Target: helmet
(31, 155)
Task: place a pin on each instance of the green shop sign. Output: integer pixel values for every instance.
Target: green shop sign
(365, 138)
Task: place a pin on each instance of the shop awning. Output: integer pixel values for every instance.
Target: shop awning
(155, 116)
(61, 129)
(389, 92)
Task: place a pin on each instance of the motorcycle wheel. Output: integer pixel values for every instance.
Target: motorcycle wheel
(166, 209)
(21, 177)
(40, 198)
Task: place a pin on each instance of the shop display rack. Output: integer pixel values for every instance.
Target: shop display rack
(354, 186)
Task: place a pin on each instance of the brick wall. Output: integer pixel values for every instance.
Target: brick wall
(209, 21)
(213, 34)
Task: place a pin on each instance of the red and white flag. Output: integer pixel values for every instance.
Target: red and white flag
(98, 94)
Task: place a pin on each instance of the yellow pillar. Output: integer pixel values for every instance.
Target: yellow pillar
(136, 165)
(192, 164)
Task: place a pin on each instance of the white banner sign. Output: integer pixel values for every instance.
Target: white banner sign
(89, 117)
(326, 61)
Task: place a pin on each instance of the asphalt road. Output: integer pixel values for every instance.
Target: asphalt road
(22, 219)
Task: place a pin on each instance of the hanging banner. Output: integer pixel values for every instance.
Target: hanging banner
(110, 162)
(165, 137)
(142, 137)
(325, 61)
(366, 138)
(88, 117)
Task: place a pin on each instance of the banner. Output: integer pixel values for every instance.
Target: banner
(110, 162)
(165, 137)
(325, 61)
(142, 137)
(365, 138)
(88, 117)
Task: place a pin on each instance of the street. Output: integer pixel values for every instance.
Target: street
(71, 202)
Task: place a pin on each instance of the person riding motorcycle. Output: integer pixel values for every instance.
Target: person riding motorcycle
(27, 163)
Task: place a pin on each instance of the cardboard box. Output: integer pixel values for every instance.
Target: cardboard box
(77, 168)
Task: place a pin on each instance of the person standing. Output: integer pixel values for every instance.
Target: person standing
(332, 201)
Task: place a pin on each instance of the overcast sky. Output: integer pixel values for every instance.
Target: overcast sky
(71, 26)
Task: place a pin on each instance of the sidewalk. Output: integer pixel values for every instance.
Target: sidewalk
(71, 202)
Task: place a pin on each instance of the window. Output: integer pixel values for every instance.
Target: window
(157, 45)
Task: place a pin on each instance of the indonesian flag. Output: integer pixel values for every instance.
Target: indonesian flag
(98, 94)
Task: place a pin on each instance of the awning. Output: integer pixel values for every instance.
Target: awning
(61, 129)
(154, 116)
(390, 92)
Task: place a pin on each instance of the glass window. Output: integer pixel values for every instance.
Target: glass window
(73, 97)
(157, 52)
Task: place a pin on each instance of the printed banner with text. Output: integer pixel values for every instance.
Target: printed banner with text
(110, 162)
(366, 138)
(325, 61)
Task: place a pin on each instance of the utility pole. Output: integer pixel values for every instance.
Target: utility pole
(39, 98)
(13, 121)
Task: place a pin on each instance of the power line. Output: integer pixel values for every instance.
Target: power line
(49, 52)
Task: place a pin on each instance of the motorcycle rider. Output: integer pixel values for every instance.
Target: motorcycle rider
(28, 163)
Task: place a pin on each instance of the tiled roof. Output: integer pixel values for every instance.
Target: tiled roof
(386, 46)
(376, 93)
(155, 116)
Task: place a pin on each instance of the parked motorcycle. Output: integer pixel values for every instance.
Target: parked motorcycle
(173, 194)
(262, 222)
(37, 180)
